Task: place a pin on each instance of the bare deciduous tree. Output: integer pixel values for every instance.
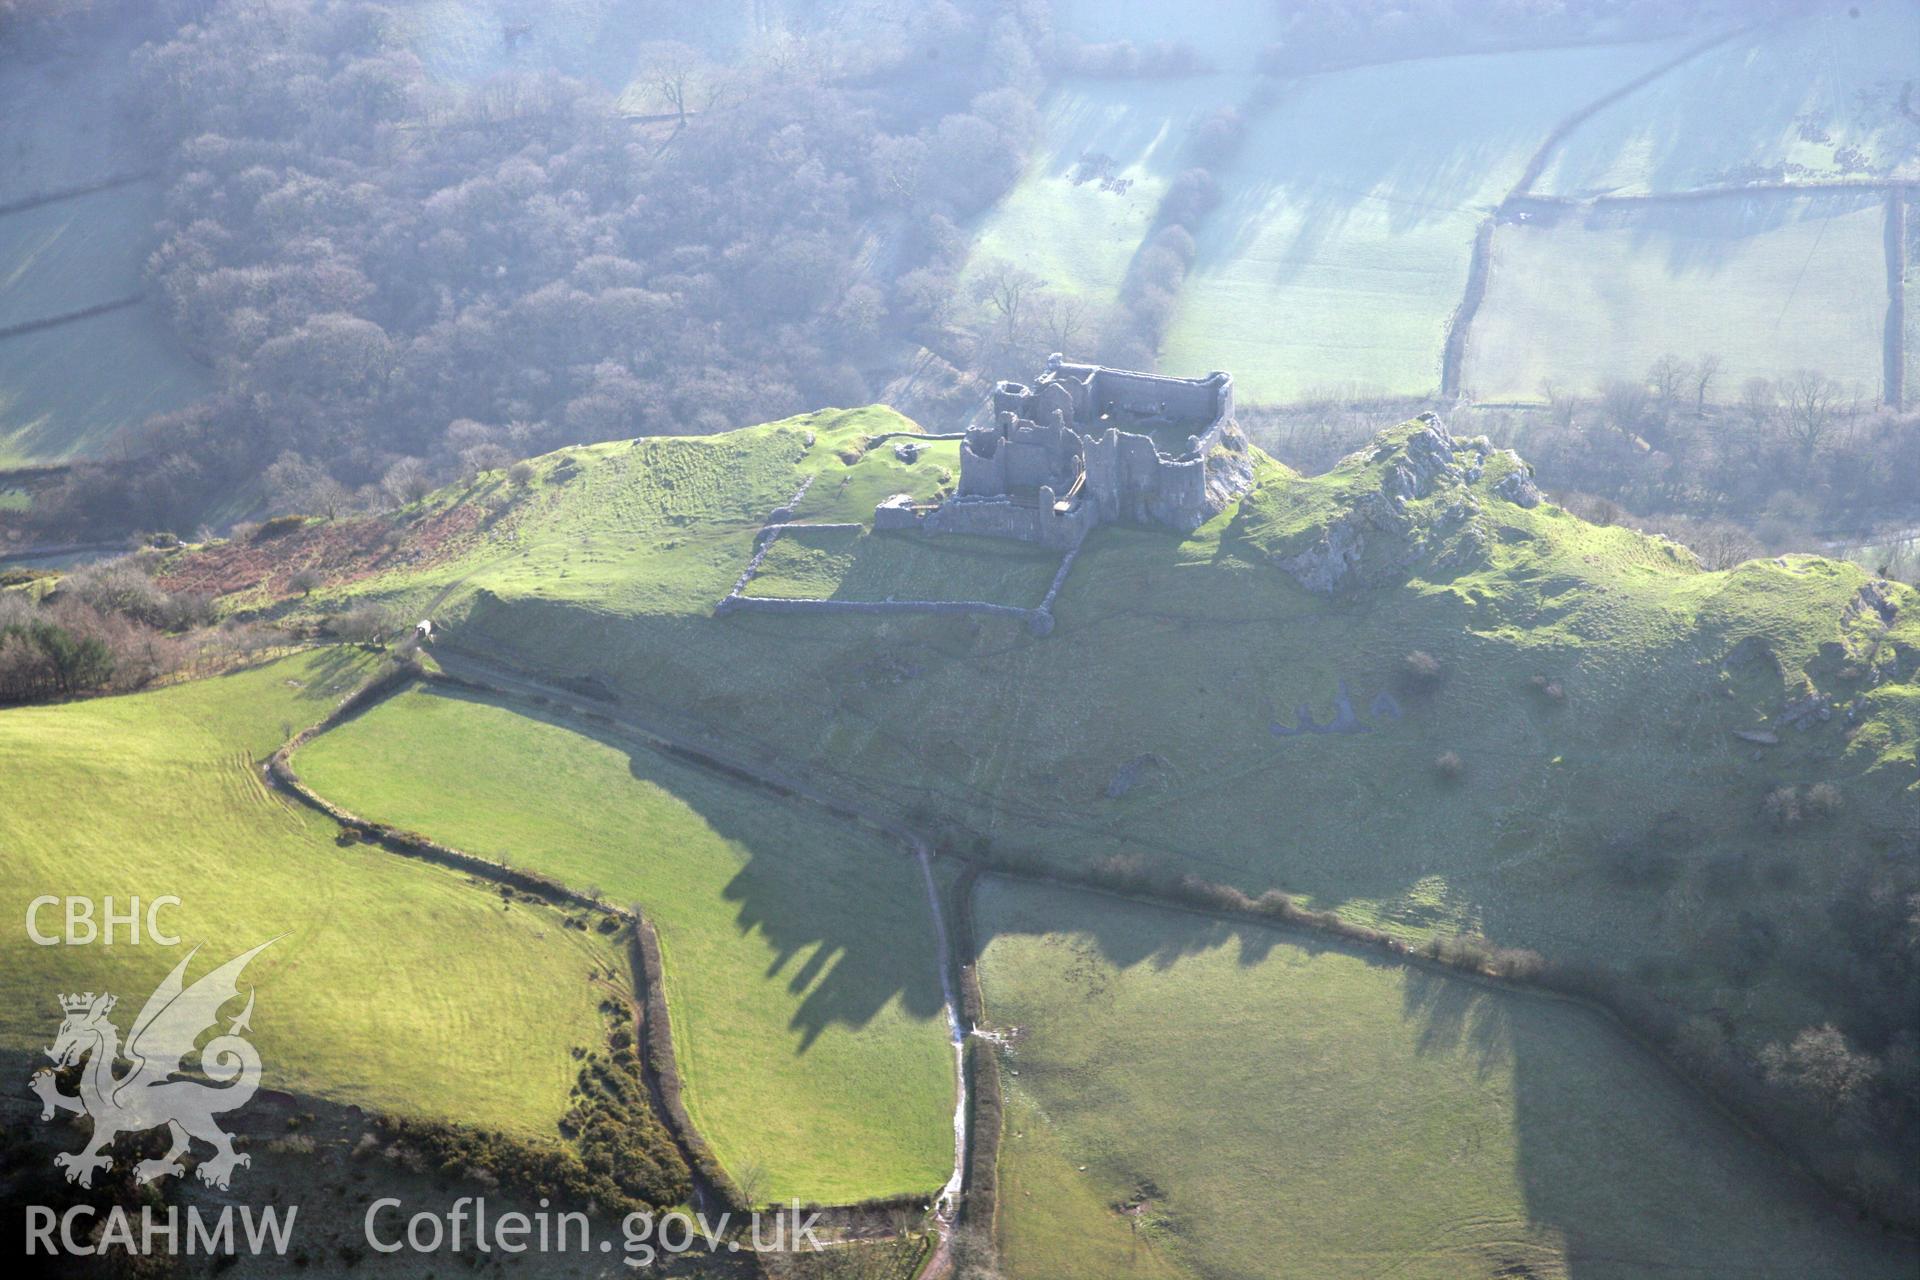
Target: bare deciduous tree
(1705, 370)
(679, 77)
(1669, 377)
(1062, 317)
(1822, 1064)
(1625, 402)
(407, 480)
(1814, 402)
(1011, 294)
(1563, 406)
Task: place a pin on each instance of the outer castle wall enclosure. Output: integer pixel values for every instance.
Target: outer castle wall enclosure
(1105, 421)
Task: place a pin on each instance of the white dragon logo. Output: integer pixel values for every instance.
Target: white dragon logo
(145, 1096)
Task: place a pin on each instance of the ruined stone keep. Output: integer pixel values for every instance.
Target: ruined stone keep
(1088, 445)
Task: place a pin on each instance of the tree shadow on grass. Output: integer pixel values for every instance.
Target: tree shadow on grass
(1620, 1169)
(844, 913)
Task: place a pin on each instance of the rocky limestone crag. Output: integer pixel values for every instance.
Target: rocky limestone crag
(1518, 488)
(1425, 510)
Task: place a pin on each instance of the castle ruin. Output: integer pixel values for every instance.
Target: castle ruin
(1087, 445)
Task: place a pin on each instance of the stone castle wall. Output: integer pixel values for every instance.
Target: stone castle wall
(1038, 438)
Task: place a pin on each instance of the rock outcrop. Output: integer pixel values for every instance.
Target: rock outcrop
(1427, 509)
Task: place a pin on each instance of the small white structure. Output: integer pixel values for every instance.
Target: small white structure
(423, 631)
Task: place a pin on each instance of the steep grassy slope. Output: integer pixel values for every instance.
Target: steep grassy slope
(394, 985)
(74, 253)
(1109, 147)
(1815, 99)
(1769, 284)
(1592, 685)
(44, 149)
(1199, 1100)
(1342, 243)
(798, 951)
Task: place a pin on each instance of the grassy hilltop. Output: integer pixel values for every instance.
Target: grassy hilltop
(1589, 687)
(1407, 691)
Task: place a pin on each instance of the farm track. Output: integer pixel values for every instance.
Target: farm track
(1560, 132)
(1460, 325)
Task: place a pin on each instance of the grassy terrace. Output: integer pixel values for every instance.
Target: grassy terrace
(1194, 1100)
(394, 985)
(799, 953)
(848, 565)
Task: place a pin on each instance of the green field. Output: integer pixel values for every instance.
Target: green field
(1342, 244)
(1071, 231)
(1080, 236)
(1234, 34)
(75, 253)
(799, 956)
(1273, 1106)
(849, 565)
(393, 985)
(67, 131)
(1815, 99)
(60, 399)
(1770, 284)
(68, 392)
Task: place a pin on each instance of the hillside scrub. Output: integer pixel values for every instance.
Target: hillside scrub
(110, 628)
